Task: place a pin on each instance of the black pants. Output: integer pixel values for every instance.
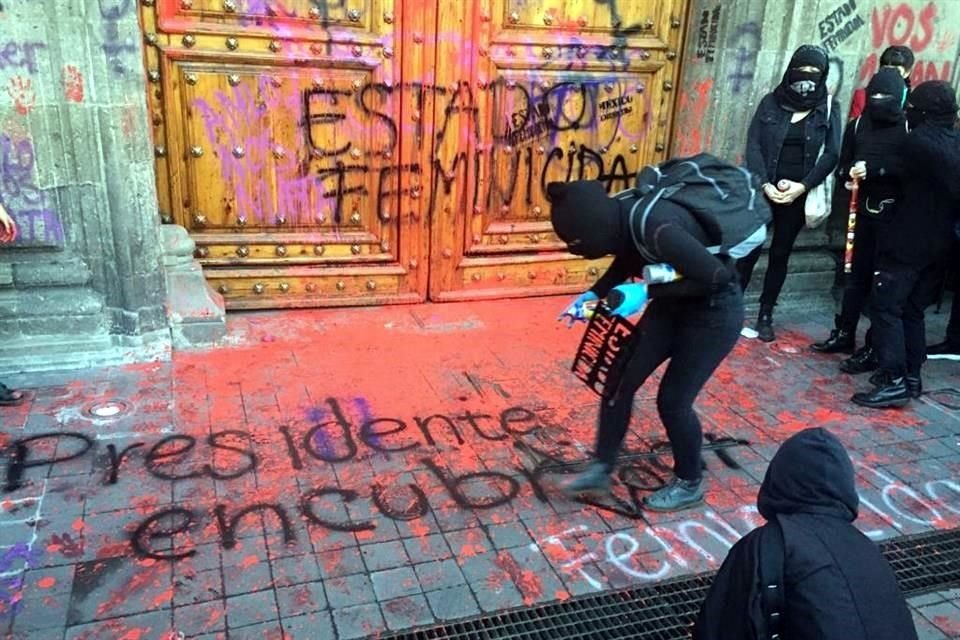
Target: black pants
(900, 295)
(696, 334)
(953, 324)
(859, 282)
(788, 222)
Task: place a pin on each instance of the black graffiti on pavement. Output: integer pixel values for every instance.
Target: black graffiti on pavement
(230, 455)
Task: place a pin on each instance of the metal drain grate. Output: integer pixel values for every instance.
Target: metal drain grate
(925, 562)
(664, 611)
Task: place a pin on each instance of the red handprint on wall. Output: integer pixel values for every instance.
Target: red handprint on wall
(21, 91)
(73, 83)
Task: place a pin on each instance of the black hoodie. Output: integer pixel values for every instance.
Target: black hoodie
(921, 231)
(876, 138)
(595, 225)
(837, 584)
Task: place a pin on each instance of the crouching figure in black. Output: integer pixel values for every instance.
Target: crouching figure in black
(697, 215)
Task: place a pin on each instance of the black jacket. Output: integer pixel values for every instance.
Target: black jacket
(768, 130)
(880, 146)
(837, 584)
(673, 236)
(921, 231)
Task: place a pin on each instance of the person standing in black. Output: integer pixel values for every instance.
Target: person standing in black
(789, 128)
(914, 246)
(694, 322)
(870, 154)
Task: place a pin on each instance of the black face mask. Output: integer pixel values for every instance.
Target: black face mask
(586, 218)
(885, 109)
(804, 83)
(916, 117)
(886, 95)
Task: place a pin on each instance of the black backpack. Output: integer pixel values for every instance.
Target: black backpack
(725, 199)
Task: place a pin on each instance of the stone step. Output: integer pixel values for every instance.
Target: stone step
(55, 352)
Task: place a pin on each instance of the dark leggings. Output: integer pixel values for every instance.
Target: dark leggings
(696, 334)
(859, 282)
(788, 222)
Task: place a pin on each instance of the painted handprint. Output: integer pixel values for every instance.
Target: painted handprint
(21, 91)
(73, 83)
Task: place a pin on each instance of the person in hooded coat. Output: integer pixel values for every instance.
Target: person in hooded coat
(914, 247)
(836, 584)
(693, 321)
(788, 130)
(871, 154)
(897, 57)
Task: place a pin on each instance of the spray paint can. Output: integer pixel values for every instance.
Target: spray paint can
(660, 273)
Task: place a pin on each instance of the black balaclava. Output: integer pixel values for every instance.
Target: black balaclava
(933, 102)
(810, 473)
(804, 90)
(586, 218)
(886, 96)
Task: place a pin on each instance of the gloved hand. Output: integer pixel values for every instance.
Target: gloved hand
(627, 299)
(577, 310)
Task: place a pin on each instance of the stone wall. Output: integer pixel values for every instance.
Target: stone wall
(76, 172)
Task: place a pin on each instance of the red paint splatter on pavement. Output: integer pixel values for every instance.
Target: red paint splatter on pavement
(46, 582)
(526, 580)
(950, 626)
(163, 599)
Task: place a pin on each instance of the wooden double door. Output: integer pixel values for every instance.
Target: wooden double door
(333, 152)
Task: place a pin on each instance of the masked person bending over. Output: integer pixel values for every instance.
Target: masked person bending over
(693, 321)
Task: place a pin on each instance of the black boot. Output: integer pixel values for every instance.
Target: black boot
(892, 394)
(914, 385)
(862, 361)
(840, 341)
(594, 479)
(913, 382)
(764, 326)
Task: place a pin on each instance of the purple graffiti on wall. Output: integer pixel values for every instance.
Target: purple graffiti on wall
(38, 225)
(119, 51)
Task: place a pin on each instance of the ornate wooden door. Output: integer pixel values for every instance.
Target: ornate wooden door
(547, 90)
(278, 147)
(330, 152)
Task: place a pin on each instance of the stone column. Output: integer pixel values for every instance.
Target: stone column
(76, 171)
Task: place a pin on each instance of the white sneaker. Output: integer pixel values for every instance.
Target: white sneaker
(748, 332)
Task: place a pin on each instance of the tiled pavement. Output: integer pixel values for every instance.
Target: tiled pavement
(337, 474)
